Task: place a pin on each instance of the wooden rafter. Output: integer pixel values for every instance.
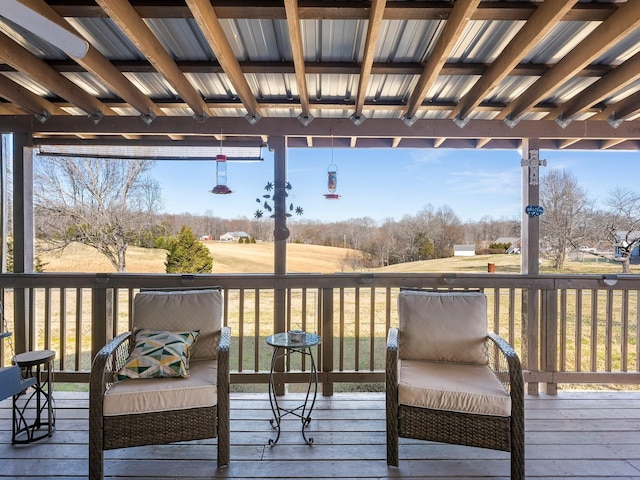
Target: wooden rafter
(28, 100)
(616, 80)
(538, 25)
(207, 20)
(27, 63)
(295, 35)
(614, 28)
(460, 15)
(101, 67)
(126, 17)
(373, 31)
(619, 111)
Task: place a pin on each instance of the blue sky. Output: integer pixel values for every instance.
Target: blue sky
(383, 183)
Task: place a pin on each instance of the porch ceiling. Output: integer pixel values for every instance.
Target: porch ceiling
(394, 73)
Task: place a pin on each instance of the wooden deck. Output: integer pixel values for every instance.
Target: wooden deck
(574, 435)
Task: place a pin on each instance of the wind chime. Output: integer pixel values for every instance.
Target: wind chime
(221, 187)
(332, 178)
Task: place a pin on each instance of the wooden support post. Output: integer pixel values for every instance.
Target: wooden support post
(280, 233)
(23, 236)
(530, 256)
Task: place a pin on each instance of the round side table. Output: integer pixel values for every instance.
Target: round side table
(283, 344)
(33, 411)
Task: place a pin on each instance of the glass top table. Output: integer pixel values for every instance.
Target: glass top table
(285, 344)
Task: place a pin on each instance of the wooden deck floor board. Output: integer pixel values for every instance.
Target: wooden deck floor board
(574, 436)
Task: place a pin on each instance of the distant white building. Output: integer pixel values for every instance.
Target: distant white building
(233, 236)
(464, 250)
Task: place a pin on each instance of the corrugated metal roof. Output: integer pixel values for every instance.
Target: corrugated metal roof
(261, 80)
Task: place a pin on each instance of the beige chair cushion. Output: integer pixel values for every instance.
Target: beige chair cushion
(183, 310)
(454, 387)
(443, 326)
(151, 395)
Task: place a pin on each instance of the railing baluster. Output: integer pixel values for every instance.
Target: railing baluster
(356, 335)
(609, 332)
(578, 337)
(241, 332)
(594, 330)
(624, 340)
(563, 330)
(372, 328)
(341, 340)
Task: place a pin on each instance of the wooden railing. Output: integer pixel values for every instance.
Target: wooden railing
(566, 328)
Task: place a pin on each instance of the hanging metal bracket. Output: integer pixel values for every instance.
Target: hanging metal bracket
(533, 162)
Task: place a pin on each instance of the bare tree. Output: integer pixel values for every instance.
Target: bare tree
(623, 224)
(103, 203)
(566, 207)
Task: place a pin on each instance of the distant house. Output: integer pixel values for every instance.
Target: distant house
(464, 250)
(233, 236)
(205, 238)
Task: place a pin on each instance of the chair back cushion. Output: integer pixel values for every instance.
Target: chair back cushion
(183, 310)
(443, 326)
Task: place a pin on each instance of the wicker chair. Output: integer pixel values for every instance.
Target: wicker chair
(117, 410)
(448, 380)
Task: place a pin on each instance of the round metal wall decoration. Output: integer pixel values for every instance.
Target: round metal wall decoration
(534, 210)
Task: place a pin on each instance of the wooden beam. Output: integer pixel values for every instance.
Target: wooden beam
(126, 17)
(627, 107)
(617, 26)
(295, 36)
(623, 75)
(27, 63)
(373, 31)
(209, 24)
(101, 67)
(28, 100)
(323, 127)
(545, 18)
(321, 9)
(457, 21)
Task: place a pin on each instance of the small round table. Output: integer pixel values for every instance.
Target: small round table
(283, 345)
(28, 412)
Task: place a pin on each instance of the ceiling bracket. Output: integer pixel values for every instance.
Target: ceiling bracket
(511, 122)
(252, 118)
(357, 119)
(563, 122)
(305, 119)
(42, 117)
(409, 121)
(460, 122)
(148, 118)
(96, 117)
(200, 118)
(613, 121)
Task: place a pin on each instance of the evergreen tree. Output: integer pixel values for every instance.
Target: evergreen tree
(187, 254)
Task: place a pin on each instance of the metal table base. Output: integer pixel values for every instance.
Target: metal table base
(282, 347)
(34, 415)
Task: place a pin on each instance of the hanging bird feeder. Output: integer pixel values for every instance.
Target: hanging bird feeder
(332, 178)
(332, 182)
(221, 187)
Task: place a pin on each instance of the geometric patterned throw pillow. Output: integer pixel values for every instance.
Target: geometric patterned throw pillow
(159, 354)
